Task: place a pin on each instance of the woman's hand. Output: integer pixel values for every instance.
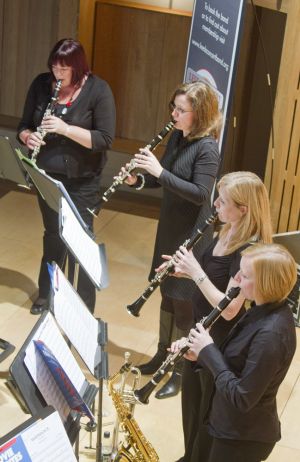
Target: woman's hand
(147, 161)
(53, 124)
(197, 340)
(34, 140)
(165, 264)
(177, 345)
(186, 264)
(130, 178)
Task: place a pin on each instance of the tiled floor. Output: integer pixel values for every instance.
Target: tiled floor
(129, 243)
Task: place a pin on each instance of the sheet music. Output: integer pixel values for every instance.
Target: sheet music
(82, 246)
(44, 441)
(50, 334)
(74, 318)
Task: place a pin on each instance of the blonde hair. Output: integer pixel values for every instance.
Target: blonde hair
(275, 271)
(204, 101)
(247, 189)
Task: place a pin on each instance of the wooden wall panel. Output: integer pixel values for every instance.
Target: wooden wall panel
(248, 146)
(283, 164)
(173, 59)
(135, 50)
(30, 29)
(86, 22)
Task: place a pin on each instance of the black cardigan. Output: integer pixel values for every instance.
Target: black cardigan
(256, 356)
(93, 109)
(188, 176)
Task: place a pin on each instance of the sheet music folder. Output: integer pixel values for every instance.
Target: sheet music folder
(42, 438)
(11, 167)
(31, 393)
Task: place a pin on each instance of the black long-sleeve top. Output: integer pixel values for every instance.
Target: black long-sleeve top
(188, 176)
(93, 109)
(248, 371)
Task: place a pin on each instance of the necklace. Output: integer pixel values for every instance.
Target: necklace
(69, 103)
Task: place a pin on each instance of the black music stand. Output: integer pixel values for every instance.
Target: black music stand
(41, 434)
(53, 191)
(87, 335)
(87, 253)
(50, 189)
(11, 167)
(7, 348)
(30, 392)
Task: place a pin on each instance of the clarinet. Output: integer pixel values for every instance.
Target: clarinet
(142, 395)
(135, 307)
(49, 111)
(119, 180)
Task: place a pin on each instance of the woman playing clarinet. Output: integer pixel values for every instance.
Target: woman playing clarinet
(77, 135)
(187, 174)
(249, 366)
(243, 208)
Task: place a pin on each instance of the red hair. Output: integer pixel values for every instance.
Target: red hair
(69, 52)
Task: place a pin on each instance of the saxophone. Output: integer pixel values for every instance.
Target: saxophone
(135, 448)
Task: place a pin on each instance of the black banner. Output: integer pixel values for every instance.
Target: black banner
(214, 38)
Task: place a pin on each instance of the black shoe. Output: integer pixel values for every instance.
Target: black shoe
(154, 363)
(39, 306)
(171, 388)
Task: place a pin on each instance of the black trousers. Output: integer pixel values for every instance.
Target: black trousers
(197, 388)
(85, 193)
(236, 451)
(196, 391)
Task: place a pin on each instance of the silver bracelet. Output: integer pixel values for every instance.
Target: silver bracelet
(200, 279)
(141, 176)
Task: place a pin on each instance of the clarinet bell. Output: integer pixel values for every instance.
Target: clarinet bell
(135, 308)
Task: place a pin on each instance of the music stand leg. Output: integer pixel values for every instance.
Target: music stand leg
(77, 447)
(99, 423)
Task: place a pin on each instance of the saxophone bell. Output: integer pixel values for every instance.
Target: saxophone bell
(135, 446)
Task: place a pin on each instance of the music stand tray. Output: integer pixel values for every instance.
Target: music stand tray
(11, 167)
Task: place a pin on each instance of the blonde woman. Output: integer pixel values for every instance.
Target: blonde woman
(243, 207)
(251, 364)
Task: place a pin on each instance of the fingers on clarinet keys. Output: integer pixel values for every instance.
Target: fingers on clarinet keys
(171, 388)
